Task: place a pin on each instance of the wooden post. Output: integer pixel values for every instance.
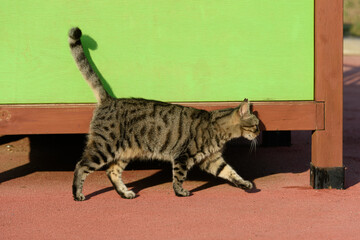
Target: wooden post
(327, 169)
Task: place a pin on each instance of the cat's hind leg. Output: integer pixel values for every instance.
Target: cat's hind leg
(216, 165)
(88, 164)
(114, 173)
(181, 166)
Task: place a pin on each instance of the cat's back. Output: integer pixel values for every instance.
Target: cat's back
(160, 114)
(132, 111)
(147, 128)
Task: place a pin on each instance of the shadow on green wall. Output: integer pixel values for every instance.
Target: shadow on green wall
(89, 43)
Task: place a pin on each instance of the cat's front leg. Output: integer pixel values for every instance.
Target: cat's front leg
(114, 172)
(216, 165)
(181, 166)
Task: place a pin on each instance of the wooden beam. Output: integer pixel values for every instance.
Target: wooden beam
(295, 115)
(45, 118)
(75, 118)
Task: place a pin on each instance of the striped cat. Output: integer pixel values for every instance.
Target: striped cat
(124, 129)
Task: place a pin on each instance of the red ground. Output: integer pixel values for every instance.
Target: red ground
(36, 201)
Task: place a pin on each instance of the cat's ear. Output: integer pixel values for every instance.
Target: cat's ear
(244, 108)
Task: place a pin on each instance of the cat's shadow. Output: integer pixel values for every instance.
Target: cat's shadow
(164, 176)
(90, 44)
(160, 177)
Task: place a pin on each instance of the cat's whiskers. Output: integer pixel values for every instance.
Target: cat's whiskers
(253, 145)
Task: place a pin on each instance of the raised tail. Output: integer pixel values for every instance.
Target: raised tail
(84, 66)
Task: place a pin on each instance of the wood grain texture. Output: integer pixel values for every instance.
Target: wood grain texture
(75, 118)
(45, 118)
(327, 144)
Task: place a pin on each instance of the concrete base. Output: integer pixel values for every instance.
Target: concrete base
(329, 178)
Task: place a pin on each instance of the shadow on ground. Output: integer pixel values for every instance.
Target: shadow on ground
(61, 152)
(47, 153)
(351, 120)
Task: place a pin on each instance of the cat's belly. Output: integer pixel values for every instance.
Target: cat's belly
(137, 153)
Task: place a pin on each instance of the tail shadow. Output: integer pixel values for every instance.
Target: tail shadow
(89, 43)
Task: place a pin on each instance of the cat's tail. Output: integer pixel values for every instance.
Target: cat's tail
(84, 66)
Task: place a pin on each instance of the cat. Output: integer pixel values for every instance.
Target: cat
(123, 129)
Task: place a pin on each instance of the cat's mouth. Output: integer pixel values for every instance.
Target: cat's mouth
(251, 135)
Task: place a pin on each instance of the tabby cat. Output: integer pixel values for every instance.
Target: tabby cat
(124, 129)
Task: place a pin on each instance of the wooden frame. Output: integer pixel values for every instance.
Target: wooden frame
(323, 115)
(75, 118)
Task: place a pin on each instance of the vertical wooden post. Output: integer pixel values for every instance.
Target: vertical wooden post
(327, 169)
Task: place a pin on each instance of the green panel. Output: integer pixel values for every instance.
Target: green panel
(204, 50)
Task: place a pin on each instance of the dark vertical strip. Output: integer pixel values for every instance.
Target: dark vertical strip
(220, 168)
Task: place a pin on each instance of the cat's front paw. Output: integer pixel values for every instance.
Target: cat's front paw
(244, 184)
(79, 197)
(128, 195)
(248, 185)
(183, 193)
(180, 192)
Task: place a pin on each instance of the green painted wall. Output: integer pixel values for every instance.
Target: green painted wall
(189, 50)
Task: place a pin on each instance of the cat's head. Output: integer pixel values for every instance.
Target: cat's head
(248, 122)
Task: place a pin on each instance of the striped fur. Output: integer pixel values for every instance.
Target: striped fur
(124, 129)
